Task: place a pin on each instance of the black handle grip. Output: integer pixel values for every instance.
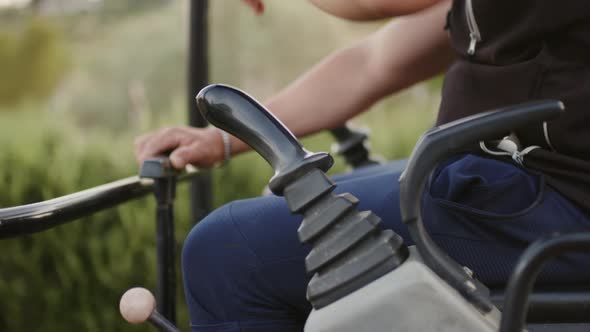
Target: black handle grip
(158, 167)
(239, 114)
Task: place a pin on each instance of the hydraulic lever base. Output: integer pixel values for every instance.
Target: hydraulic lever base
(349, 250)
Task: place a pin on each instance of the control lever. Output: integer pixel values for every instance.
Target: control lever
(237, 113)
(164, 175)
(138, 305)
(351, 145)
(349, 250)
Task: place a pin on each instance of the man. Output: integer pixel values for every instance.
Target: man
(243, 265)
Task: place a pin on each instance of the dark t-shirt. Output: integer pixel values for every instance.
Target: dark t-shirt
(511, 52)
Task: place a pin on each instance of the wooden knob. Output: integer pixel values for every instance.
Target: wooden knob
(137, 305)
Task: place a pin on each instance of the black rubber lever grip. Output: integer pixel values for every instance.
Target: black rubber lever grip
(237, 113)
(158, 167)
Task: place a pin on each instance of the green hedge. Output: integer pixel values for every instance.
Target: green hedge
(70, 278)
(33, 60)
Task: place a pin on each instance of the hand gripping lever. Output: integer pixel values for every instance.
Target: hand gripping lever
(348, 248)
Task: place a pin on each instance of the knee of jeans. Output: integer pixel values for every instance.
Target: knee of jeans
(214, 254)
(212, 244)
(216, 247)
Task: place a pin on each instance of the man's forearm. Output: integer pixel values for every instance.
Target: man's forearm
(404, 52)
(326, 96)
(360, 10)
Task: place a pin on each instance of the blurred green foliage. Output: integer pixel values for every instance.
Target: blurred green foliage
(70, 132)
(70, 278)
(114, 9)
(33, 61)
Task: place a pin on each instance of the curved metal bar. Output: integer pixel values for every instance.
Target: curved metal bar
(37, 217)
(553, 304)
(525, 273)
(443, 142)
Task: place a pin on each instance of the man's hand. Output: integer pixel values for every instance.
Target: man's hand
(403, 52)
(195, 146)
(256, 5)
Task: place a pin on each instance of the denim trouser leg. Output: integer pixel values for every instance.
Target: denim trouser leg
(243, 265)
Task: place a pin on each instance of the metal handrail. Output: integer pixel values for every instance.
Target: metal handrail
(37, 217)
(522, 279)
(439, 144)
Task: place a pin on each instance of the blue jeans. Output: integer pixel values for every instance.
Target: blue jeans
(243, 265)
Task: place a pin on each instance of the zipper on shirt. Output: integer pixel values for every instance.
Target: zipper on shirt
(474, 34)
(546, 132)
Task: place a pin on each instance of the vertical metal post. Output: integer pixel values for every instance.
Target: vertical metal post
(164, 175)
(165, 189)
(201, 198)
